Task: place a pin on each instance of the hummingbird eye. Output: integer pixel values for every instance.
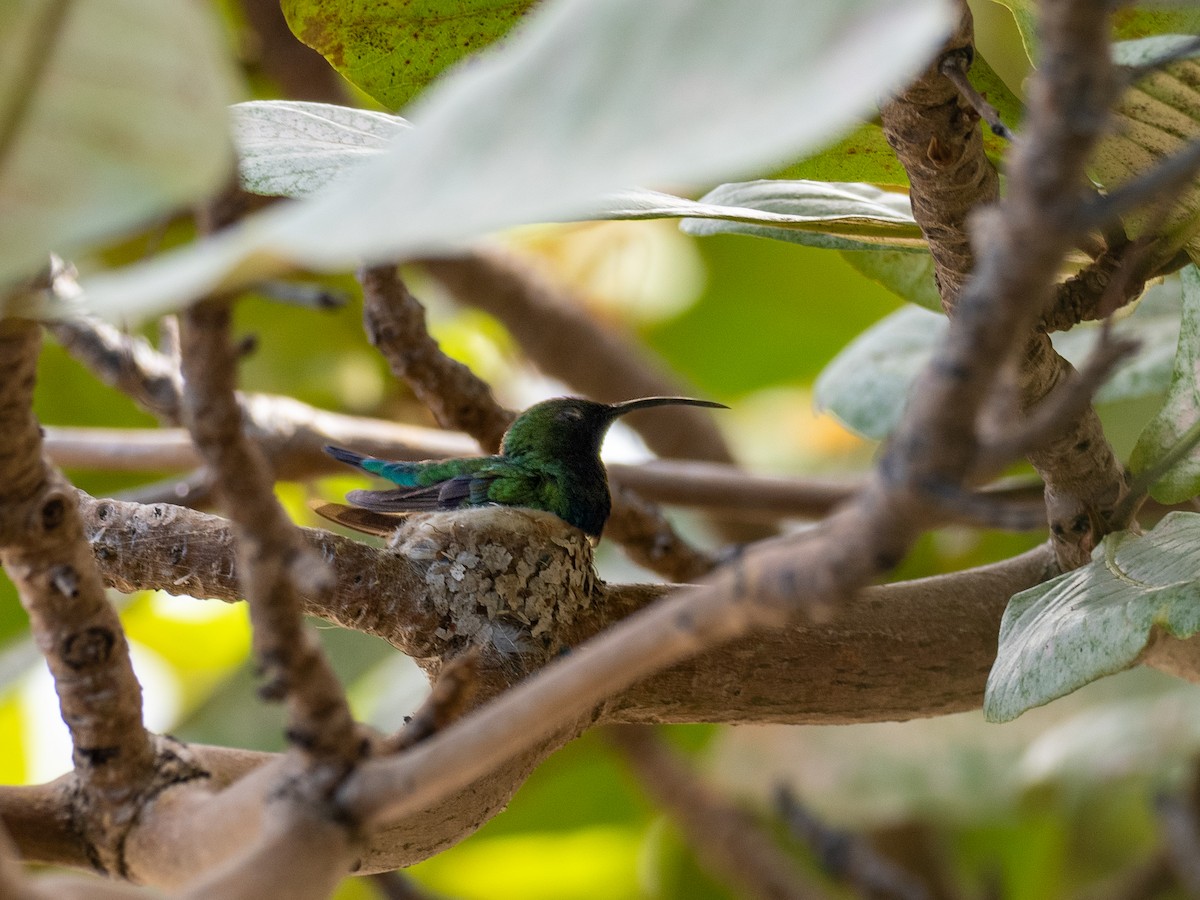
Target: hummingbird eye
(570, 415)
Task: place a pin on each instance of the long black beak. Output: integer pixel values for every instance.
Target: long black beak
(628, 406)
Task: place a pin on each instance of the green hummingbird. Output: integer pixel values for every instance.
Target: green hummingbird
(549, 459)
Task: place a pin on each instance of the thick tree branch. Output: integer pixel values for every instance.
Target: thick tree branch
(183, 551)
(44, 552)
(936, 138)
(887, 656)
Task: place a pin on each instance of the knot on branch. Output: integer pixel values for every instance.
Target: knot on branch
(509, 580)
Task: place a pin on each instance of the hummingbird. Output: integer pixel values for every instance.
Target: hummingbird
(549, 459)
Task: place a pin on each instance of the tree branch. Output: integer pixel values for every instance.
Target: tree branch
(395, 323)
(937, 140)
(887, 657)
(272, 558)
(43, 551)
(847, 857)
(910, 649)
(727, 840)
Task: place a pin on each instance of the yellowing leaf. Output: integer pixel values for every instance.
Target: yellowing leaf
(393, 48)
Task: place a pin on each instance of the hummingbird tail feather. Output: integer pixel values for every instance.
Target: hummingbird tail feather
(347, 456)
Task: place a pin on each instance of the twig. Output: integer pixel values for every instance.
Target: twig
(714, 487)
(727, 840)
(711, 486)
(395, 323)
(43, 551)
(848, 858)
(726, 488)
(1168, 177)
(272, 560)
(1066, 403)
(182, 551)
(649, 539)
(451, 696)
(954, 66)
(125, 362)
(1181, 837)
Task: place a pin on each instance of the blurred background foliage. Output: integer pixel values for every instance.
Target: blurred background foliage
(1038, 808)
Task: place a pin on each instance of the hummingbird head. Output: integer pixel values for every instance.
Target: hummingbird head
(567, 427)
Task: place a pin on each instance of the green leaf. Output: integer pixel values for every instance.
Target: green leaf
(816, 213)
(866, 385)
(862, 155)
(541, 127)
(391, 49)
(865, 155)
(1180, 410)
(908, 275)
(1096, 620)
(1128, 23)
(1155, 119)
(293, 148)
(110, 114)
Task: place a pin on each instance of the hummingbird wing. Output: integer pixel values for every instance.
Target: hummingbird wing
(462, 490)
